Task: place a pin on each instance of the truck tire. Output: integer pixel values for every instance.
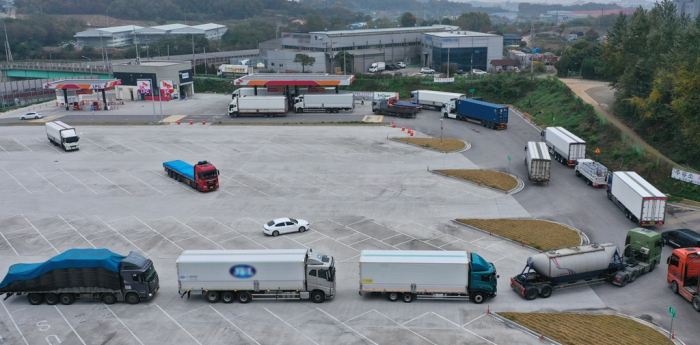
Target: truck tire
(228, 297)
(625, 279)
(546, 291)
(609, 195)
(67, 298)
(407, 297)
(109, 298)
(318, 297)
(132, 298)
(696, 303)
(653, 265)
(392, 296)
(212, 296)
(633, 276)
(35, 298)
(234, 115)
(478, 297)
(444, 115)
(531, 294)
(51, 298)
(244, 297)
(674, 288)
(578, 174)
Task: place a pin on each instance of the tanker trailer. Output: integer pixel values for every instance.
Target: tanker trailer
(570, 267)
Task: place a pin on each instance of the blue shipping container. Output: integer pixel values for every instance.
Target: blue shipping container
(183, 168)
(479, 110)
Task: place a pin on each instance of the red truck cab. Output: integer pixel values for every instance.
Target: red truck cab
(206, 176)
(683, 274)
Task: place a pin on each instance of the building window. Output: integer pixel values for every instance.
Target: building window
(462, 58)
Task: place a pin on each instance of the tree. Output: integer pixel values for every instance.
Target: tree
(446, 21)
(345, 60)
(407, 20)
(304, 60)
(591, 35)
(314, 22)
(474, 21)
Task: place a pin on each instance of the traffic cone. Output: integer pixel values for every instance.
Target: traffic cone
(191, 122)
(204, 122)
(403, 128)
(178, 122)
(393, 125)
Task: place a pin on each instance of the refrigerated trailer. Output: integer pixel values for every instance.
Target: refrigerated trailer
(330, 103)
(538, 162)
(564, 145)
(268, 106)
(63, 135)
(411, 274)
(641, 202)
(435, 99)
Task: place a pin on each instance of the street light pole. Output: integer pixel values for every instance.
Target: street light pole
(90, 62)
(441, 131)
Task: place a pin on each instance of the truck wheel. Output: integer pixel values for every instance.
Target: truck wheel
(478, 297)
(212, 296)
(407, 297)
(392, 296)
(132, 298)
(109, 298)
(444, 115)
(67, 298)
(51, 298)
(35, 298)
(531, 294)
(633, 276)
(652, 265)
(545, 291)
(609, 195)
(578, 174)
(674, 288)
(696, 303)
(588, 182)
(318, 297)
(228, 297)
(625, 279)
(302, 229)
(244, 297)
(275, 233)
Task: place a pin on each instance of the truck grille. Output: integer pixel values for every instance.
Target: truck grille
(153, 284)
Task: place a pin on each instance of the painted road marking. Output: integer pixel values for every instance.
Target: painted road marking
(173, 118)
(373, 118)
(48, 118)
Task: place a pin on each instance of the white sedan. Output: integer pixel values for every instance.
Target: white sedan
(478, 72)
(426, 70)
(285, 225)
(31, 115)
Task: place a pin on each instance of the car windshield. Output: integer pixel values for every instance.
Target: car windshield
(271, 223)
(294, 220)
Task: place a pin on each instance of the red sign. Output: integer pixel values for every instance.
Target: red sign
(316, 89)
(84, 92)
(275, 89)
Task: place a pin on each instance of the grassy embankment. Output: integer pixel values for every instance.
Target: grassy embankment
(539, 234)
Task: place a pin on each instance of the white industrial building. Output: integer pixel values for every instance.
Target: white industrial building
(111, 37)
(465, 50)
(121, 36)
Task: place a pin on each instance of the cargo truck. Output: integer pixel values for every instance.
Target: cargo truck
(489, 115)
(564, 146)
(641, 202)
(86, 274)
(267, 106)
(383, 107)
(683, 274)
(279, 91)
(594, 173)
(202, 176)
(244, 275)
(538, 162)
(329, 103)
(377, 67)
(62, 135)
(414, 274)
(434, 99)
(589, 264)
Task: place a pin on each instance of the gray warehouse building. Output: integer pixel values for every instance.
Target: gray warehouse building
(116, 36)
(121, 36)
(464, 49)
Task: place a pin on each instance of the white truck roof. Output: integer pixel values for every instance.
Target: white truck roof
(59, 124)
(257, 255)
(414, 256)
(638, 183)
(565, 135)
(538, 150)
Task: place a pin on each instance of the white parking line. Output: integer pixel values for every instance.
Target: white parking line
(310, 185)
(14, 323)
(197, 232)
(363, 314)
(125, 326)
(110, 181)
(415, 318)
(350, 328)
(100, 146)
(8, 242)
(232, 324)
(178, 182)
(207, 147)
(408, 329)
(154, 188)
(163, 140)
(153, 146)
(40, 234)
(462, 327)
(76, 230)
(177, 323)
(25, 188)
(45, 179)
(71, 326)
(287, 323)
(244, 236)
(128, 147)
(81, 182)
(255, 189)
(4, 150)
(25, 146)
(264, 179)
(50, 145)
(156, 231)
(120, 234)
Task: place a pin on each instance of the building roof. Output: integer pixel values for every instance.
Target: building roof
(291, 79)
(385, 31)
(108, 31)
(512, 36)
(459, 34)
(170, 27)
(209, 26)
(82, 84)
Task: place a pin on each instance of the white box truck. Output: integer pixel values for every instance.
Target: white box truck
(62, 135)
(411, 274)
(330, 103)
(641, 202)
(279, 91)
(538, 162)
(268, 106)
(435, 99)
(377, 67)
(243, 275)
(594, 173)
(564, 146)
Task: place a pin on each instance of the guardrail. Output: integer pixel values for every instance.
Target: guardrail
(57, 67)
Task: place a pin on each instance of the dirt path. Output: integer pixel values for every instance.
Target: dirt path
(580, 86)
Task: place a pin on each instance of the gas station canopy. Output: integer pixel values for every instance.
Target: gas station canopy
(82, 84)
(290, 79)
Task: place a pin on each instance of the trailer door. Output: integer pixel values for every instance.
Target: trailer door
(577, 151)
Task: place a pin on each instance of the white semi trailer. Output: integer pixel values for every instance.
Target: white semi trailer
(538, 162)
(641, 202)
(564, 146)
(268, 106)
(244, 275)
(62, 135)
(435, 99)
(330, 103)
(411, 274)
(279, 91)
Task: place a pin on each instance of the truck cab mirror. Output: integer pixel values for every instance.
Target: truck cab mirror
(135, 277)
(668, 260)
(217, 172)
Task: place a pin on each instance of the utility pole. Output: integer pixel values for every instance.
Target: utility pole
(448, 74)
(205, 61)
(8, 52)
(194, 64)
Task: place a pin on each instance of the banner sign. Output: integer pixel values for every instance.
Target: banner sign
(144, 85)
(685, 176)
(383, 95)
(167, 86)
(443, 80)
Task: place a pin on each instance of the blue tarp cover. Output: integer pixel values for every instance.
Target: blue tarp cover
(181, 167)
(71, 258)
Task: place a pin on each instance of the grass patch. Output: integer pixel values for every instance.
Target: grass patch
(447, 145)
(538, 234)
(584, 329)
(493, 179)
(689, 202)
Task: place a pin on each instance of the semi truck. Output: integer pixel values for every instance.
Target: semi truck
(589, 264)
(202, 176)
(330, 103)
(62, 135)
(377, 67)
(434, 99)
(267, 106)
(86, 274)
(383, 107)
(244, 275)
(538, 162)
(279, 91)
(594, 173)
(494, 116)
(564, 146)
(683, 274)
(415, 274)
(641, 202)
